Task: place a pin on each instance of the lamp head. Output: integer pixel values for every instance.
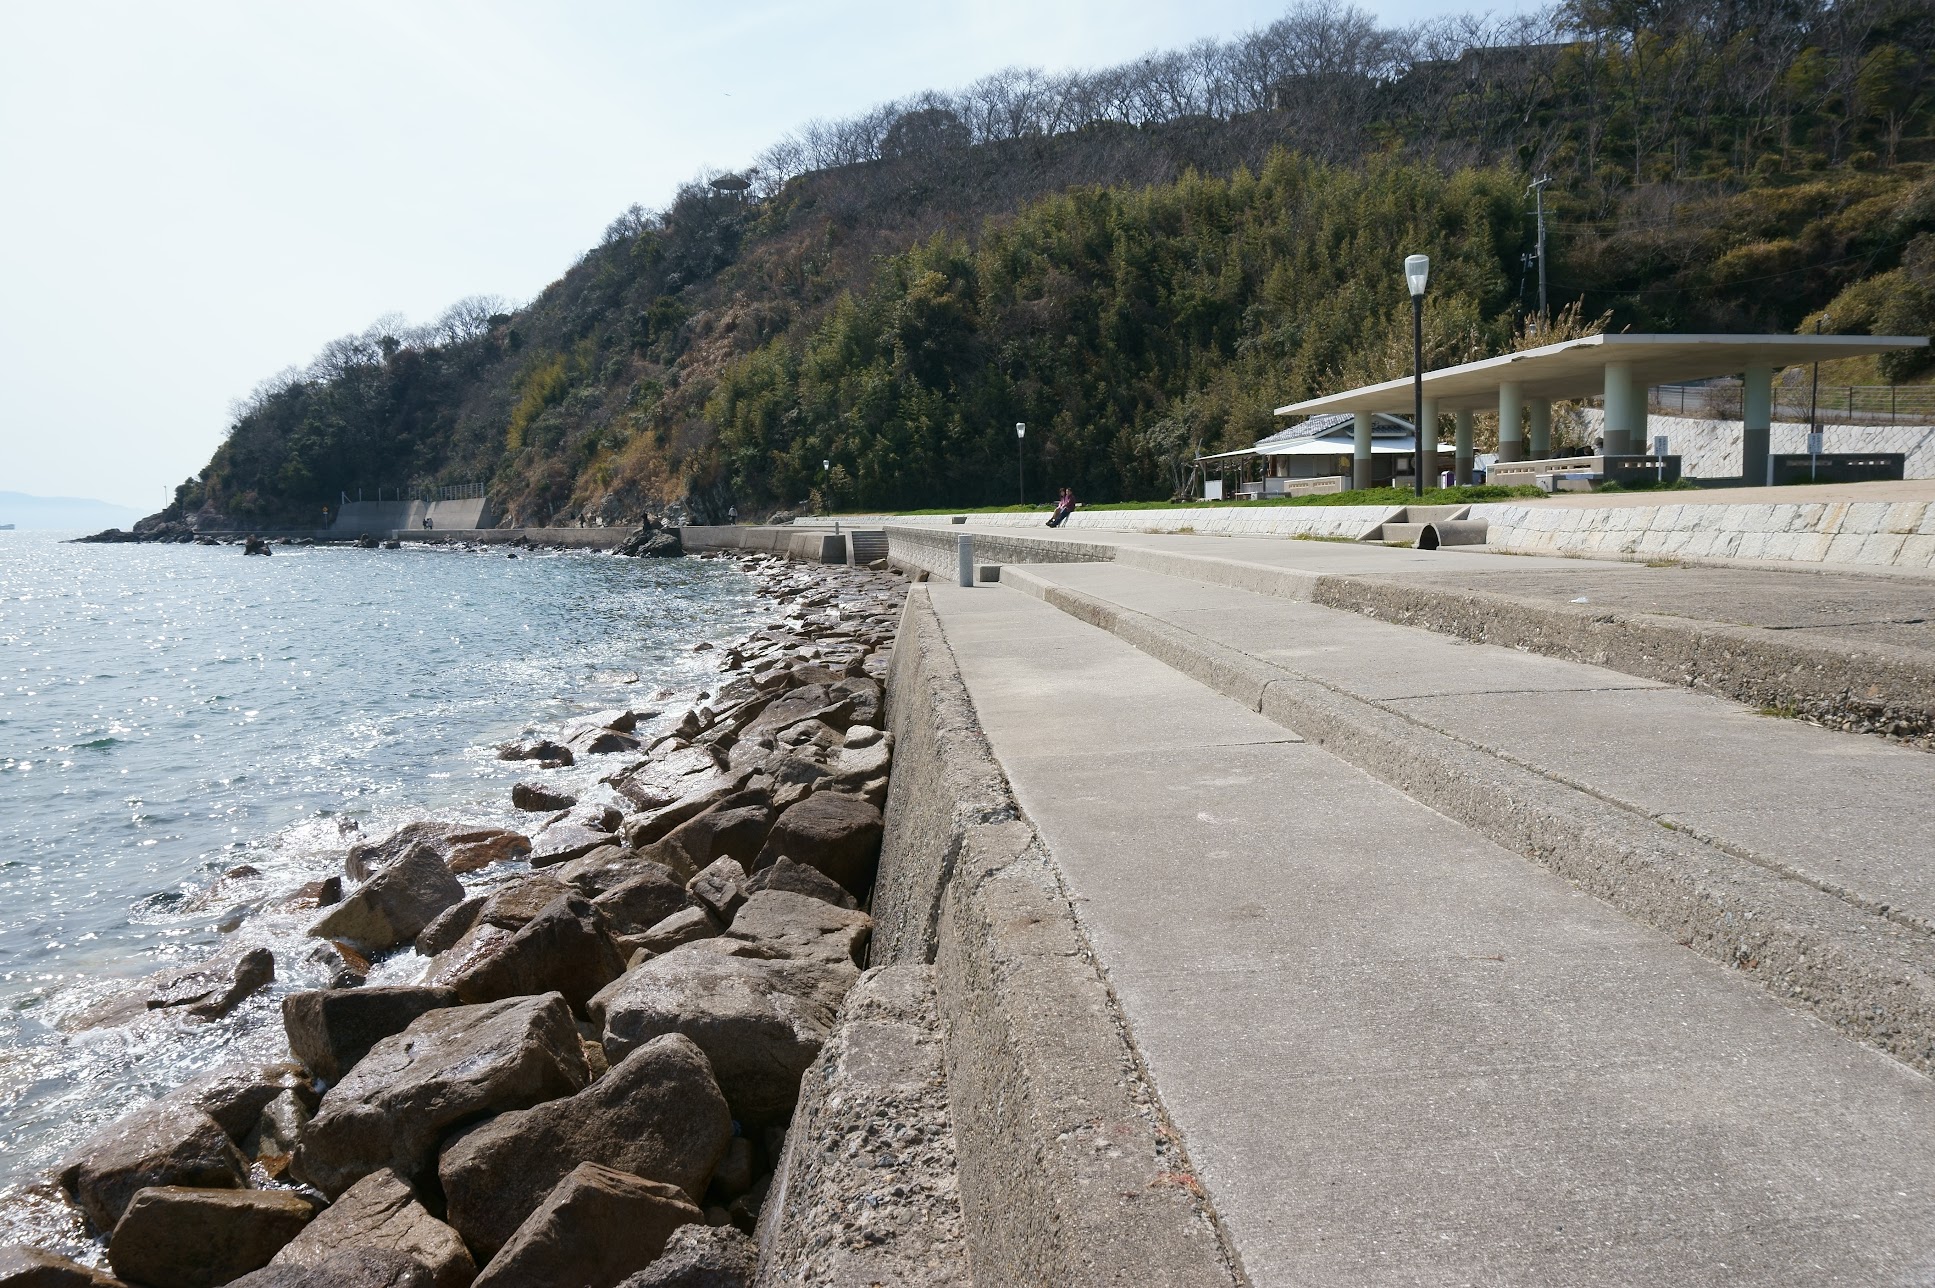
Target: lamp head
(1417, 273)
(1021, 429)
(826, 465)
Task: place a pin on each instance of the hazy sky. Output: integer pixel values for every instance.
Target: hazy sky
(196, 195)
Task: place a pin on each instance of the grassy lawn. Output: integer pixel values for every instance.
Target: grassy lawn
(1366, 496)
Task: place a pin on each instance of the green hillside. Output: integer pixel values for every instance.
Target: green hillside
(1140, 262)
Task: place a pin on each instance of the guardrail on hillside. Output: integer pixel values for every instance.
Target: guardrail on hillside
(1838, 404)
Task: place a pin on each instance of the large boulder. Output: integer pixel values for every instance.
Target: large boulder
(759, 1020)
(596, 1227)
(682, 927)
(731, 829)
(565, 948)
(642, 900)
(808, 702)
(797, 878)
(460, 846)
(394, 905)
(160, 1143)
(211, 989)
(783, 924)
(450, 925)
(565, 840)
(836, 834)
(349, 1268)
(381, 1213)
(699, 1256)
(330, 1029)
(449, 1067)
(22, 1267)
(658, 1114)
(180, 1237)
(605, 868)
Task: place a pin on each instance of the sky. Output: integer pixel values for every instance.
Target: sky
(195, 196)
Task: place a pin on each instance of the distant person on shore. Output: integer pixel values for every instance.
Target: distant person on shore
(427, 525)
(1063, 508)
(732, 514)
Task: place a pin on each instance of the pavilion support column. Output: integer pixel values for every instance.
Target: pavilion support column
(1511, 429)
(1461, 469)
(1427, 440)
(1360, 460)
(1625, 410)
(1538, 428)
(1756, 425)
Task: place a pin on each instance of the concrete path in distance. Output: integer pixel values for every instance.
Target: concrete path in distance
(1400, 1054)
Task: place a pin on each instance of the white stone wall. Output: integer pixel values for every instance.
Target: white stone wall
(1862, 533)
(1710, 449)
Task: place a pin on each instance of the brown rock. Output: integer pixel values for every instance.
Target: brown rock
(213, 988)
(381, 1213)
(682, 927)
(498, 847)
(450, 925)
(783, 924)
(393, 906)
(565, 840)
(566, 949)
(446, 839)
(598, 1226)
(235, 1095)
(648, 897)
(727, 830)
(759, 1020)
(174, 1236)
(159, 1143)
(543, 750)
(699, 1256)
(834, 834)
(808, 702)
(22, 1267)
(720, 886)
(797, 878)
(349, 1268)
(449, 1067)
(539, 798)
(330, 1029)
(658, 1114)
(603, 869)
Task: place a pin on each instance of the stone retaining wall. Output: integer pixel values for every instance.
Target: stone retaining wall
(810, 544)
(934, 551)
(1350, 521)
(1867, 534)
(1710, 449)
(1066, 1165)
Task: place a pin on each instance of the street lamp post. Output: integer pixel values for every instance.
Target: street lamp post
(1021, 479)
(1417, 276)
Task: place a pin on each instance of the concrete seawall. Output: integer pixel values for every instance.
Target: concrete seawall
(1069, 1170)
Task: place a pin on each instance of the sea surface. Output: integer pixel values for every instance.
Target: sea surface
(169, 713)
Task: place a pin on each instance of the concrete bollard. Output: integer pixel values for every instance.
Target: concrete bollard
(964, 545)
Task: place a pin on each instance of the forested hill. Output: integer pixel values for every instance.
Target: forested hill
(1141, 261)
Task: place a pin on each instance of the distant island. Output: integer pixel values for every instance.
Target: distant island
(24, 510)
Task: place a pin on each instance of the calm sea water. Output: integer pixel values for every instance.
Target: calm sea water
(170, 712)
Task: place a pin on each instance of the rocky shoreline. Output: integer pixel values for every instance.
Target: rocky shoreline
(589, 1077)
(652, 538)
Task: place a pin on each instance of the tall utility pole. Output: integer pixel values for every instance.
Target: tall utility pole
(1537, 189)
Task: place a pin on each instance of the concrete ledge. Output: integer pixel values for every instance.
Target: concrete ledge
(1858, 968)
(1861, 687)
(934, 550)
(810, 545)
(1069, 1172)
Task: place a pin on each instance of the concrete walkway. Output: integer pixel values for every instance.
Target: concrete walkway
(1399, 1052)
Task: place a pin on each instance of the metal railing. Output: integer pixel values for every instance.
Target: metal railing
(1837, 404)
(422, 492)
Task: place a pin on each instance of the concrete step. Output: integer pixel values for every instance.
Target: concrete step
(1759, 842)
(1399, 534)
(866, 545)
(1397, 1051)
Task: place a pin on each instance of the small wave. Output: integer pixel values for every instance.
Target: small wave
(96, 744)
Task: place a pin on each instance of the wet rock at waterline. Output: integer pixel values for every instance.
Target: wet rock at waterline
(331, 1029)
(181, 1237)
(393, 906)
(449, 1067)
(538, 798)
(32, 1268)
(160, 1143)
(658, 1114)
(211, 989)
